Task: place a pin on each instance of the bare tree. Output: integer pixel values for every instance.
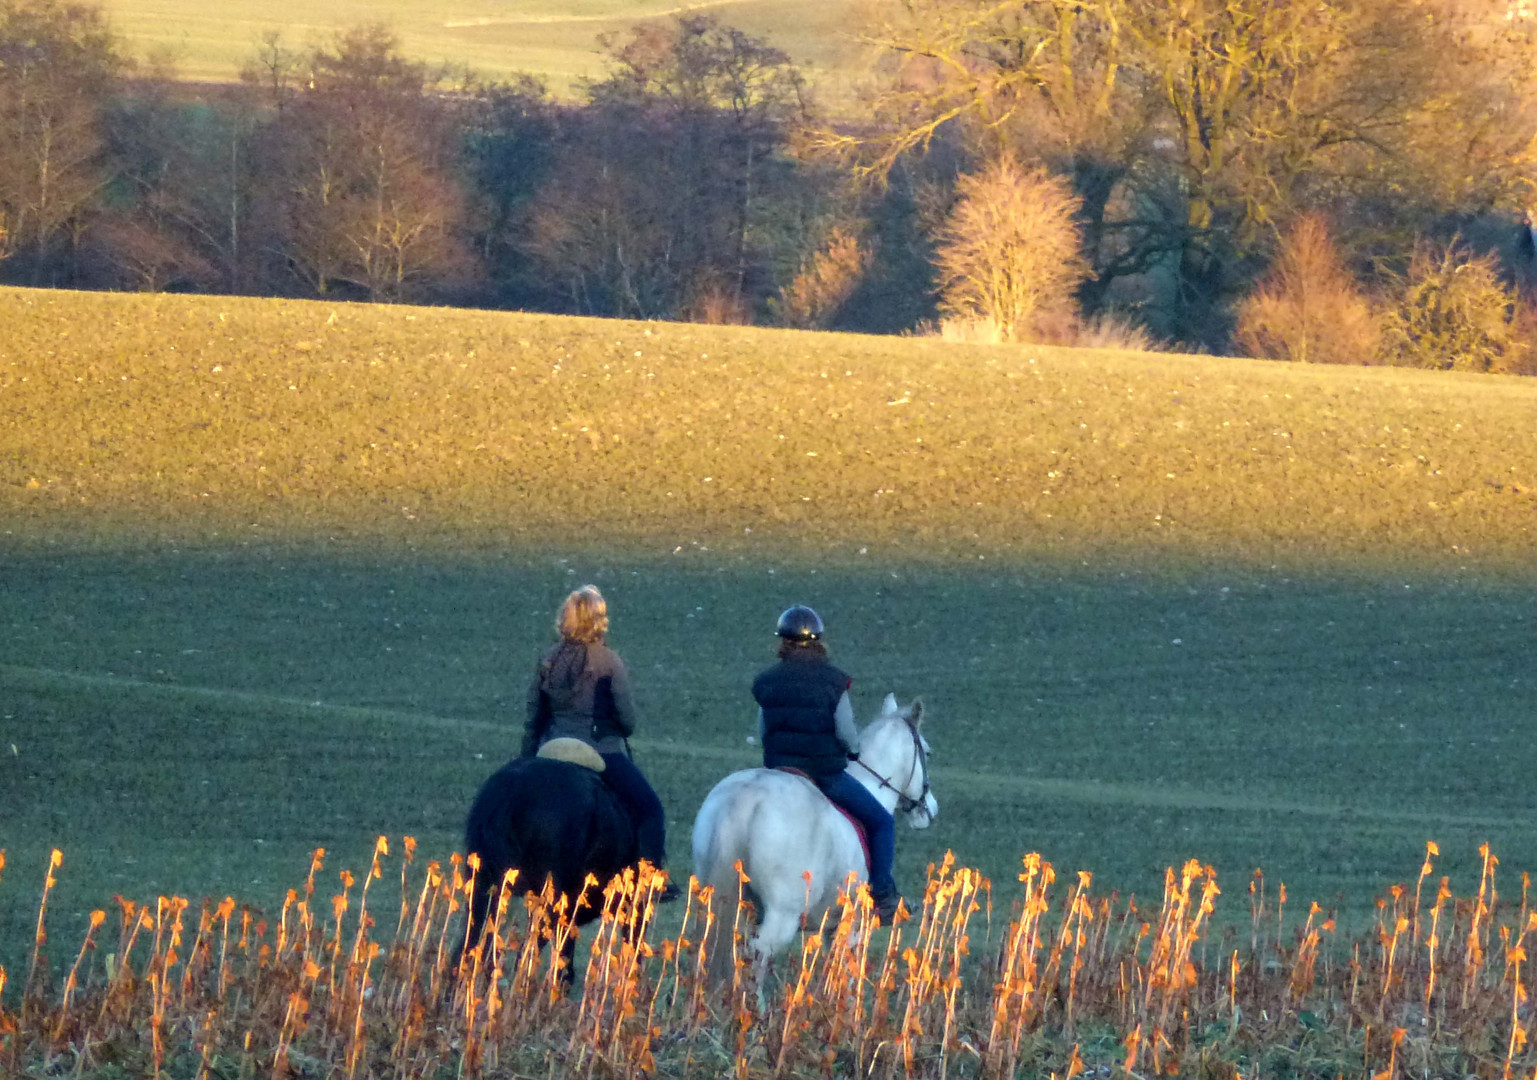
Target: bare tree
(1308, 308)
(185, 169)
(58, 64)
(148, 257)
(274, 71)
(813, 298)
(1009, 252)
(601, 230)
(510, 134)
(669, 172)
(366, 196)
(1454, 313)
(1195, 129)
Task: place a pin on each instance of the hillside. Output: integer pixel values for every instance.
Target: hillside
(495, 38)
(195, 416)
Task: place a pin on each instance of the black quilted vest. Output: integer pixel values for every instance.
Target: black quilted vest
(799, 699)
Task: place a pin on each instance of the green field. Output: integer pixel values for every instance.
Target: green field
(197, 722)
(274, 575)
(495, 38)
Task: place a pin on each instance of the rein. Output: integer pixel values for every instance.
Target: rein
(906, 803)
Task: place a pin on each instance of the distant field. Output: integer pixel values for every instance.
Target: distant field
(273, 574)
(555, 40)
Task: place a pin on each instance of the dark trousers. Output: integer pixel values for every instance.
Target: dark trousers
(645, 809)
(854, 797)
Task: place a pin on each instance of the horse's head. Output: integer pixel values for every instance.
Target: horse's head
(896, 753)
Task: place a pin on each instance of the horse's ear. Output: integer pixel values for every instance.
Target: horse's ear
(915, 711)
(889, 706)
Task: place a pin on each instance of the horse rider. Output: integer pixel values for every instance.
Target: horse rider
(805, 722)
(581, 690)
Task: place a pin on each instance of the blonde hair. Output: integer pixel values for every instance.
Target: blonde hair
(584, 616)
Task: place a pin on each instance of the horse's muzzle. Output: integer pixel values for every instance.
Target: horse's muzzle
(923, 815)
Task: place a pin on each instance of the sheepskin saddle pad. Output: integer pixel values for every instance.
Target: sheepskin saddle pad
(573, 751)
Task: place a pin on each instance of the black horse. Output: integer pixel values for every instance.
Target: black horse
(550, 821)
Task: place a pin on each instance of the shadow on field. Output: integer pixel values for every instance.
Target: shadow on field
(199, 722)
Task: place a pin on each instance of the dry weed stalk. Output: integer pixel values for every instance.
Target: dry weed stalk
(927, 997)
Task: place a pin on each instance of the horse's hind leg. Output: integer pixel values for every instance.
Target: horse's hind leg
(777, 927)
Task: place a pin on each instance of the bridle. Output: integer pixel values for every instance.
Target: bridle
(906, 803)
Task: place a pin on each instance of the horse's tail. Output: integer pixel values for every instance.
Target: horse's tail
(500, 833)
(722, 863)
(546, 820)
(496, 847)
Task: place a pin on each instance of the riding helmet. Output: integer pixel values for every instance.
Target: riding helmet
(800, 623)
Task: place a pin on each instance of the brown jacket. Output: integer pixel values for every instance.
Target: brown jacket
(580, 691)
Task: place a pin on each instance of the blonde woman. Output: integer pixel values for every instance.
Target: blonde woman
(581, 690)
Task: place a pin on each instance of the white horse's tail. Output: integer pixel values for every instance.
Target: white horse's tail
(718, 852)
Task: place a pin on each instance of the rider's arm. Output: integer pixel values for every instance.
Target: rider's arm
(537, 716)
(843, 724)
(624, 701)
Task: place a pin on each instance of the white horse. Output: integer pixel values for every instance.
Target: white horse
(782, 828)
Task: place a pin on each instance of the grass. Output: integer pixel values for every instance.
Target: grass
(274, 575)
(555, 40)
(212, 717)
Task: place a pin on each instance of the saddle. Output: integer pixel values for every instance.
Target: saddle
(859, 829)
(573, 752)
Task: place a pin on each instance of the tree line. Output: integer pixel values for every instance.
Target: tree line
(1325, 180)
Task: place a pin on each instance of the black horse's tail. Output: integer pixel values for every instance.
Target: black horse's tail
(534, 817)
(489, 837)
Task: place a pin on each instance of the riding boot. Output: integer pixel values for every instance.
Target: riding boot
(886, 899)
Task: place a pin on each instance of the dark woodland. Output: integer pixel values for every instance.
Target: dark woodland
(1253, 175)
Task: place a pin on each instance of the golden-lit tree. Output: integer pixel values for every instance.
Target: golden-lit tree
(829, 276)
(1216, 120)
(1009, 251)
(1039, 79)
(1308, 308)
(1455, 313)
(1469, 140)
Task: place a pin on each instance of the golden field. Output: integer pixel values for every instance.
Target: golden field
(190, 417)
